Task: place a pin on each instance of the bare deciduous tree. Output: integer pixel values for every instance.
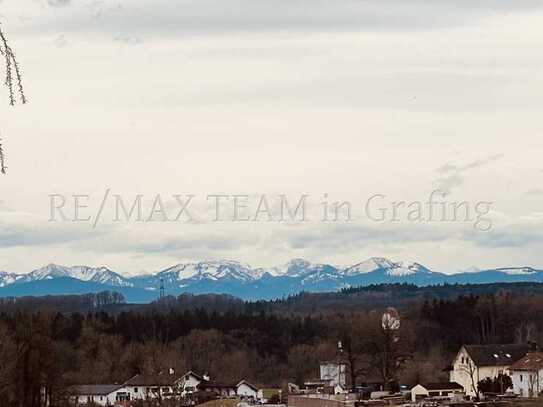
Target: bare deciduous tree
(471, 370)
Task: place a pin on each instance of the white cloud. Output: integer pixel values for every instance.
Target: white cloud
(348, 97)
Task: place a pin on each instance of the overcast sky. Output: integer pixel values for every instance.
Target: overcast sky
(349, 98)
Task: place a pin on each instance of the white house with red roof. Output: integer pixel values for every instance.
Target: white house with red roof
(527, 375)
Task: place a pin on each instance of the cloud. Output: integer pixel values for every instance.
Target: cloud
(60, 41)
(149, 242)
(19, 229)
(58, 3)
(453, 176)
(316, 239)
(207, 16)
(510, 233)
(128, 40)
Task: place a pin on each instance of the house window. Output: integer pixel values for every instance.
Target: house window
(462, 359)
(135, 389)
(520, 377)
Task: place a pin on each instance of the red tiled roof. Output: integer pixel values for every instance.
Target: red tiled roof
(532, 361)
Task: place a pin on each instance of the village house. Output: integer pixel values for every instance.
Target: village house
(161, 386)
(224, 390)
(191, 381)
(335, 372)
(474, 363)
(100, 394)
(527, 375)
(246, 390)
(153, 386)
(451, 390)
(333, 378)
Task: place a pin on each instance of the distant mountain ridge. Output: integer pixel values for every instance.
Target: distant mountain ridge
(243, 281)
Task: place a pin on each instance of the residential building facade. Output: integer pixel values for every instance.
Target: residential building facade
(334, 372)
(100, 394)
(451, 390)
(527, 375)
(474, 363)
(246, 390)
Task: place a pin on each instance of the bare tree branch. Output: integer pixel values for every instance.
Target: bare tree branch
(13, 81)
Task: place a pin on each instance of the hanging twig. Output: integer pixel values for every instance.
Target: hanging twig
(2, 159)
(13, 81)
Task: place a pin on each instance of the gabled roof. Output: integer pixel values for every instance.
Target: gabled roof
(442, 386)
(216, 385)
(94, 389)
(245, 382)
(191, 373)
(532, 361)
(152, 380)
(496, 355)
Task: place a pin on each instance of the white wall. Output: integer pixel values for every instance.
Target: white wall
(102, 400)
(147, 392)
(246, 391)
(190, 384)
(461, 372)
(462, 375)
(527, 384)
(418, 390)
(334, 372)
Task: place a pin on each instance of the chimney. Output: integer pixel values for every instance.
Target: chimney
(172, 371)
(205, 377)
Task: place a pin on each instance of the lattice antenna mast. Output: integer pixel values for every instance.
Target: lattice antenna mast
(161, 295)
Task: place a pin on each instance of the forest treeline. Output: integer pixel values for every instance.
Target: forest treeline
(349, 299)
(269, 343)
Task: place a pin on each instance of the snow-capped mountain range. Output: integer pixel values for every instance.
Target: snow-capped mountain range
(243, 281)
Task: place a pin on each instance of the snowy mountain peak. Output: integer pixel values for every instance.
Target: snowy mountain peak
(241, 280)
(369, 265)
(515, 271)
(8, 278)
(100, 275)
(404, 269)
(389, 267)
(292, 268)
(212, 270)
(297, 267)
